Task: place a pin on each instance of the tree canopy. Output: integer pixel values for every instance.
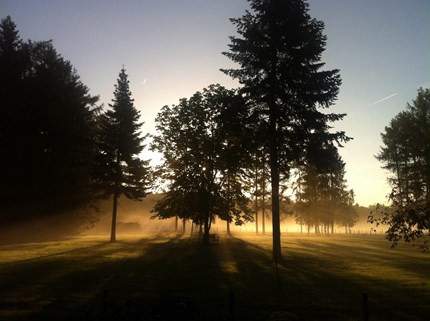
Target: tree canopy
(202, 158)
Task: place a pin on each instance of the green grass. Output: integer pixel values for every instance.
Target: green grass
(169, 277)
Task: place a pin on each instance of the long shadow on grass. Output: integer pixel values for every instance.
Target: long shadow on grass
(176, 279)
(59, 284)
(313, 289)
(182, 279)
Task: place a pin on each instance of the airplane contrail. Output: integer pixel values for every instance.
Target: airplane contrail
(383, 99)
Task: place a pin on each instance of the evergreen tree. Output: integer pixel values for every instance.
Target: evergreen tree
(278, 51)
(12, 68)
(406, 154)
(47, 130)
(119, 169)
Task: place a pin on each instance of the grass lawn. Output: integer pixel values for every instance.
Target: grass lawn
(169, 277)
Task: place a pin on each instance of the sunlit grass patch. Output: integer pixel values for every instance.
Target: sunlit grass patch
(72, 246)
(28, 251)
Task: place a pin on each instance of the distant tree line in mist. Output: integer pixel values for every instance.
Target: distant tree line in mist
(228, 154)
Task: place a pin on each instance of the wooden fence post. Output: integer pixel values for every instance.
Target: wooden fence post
(365, 307)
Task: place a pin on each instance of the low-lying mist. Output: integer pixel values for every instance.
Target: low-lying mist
(134, 218)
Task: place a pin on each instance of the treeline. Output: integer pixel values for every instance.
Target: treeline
(48, 130)
(60, 150)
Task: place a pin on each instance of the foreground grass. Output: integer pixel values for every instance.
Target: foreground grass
(168, 277)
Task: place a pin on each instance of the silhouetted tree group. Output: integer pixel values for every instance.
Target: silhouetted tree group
(60, 152)
(406, 155)
(322, 197)
(47, 129)
(278, 51)
(200, 139)
(227, 154)
(219, 146)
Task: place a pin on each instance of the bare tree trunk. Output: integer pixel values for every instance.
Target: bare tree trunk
(274, 143)
(229, 203)
(256, 194)
(207, 228)
(114, 211)
(263, 205)
(176, 223)
(256, 220)
(276, 228)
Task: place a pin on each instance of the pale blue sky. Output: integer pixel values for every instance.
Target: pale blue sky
(172, 48)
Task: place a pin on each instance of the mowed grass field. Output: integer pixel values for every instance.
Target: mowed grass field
(175, 277)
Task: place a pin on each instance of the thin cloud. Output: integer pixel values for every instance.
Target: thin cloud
(384, 99)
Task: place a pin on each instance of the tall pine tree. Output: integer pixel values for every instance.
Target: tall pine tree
(119, 169)
(278, 51)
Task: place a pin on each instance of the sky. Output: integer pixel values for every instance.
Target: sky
(172, 48)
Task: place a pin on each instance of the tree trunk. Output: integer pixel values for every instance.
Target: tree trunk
(256, 194)
(263, 223)
(256, 219)
(176, 223)
(184, 222)
(206, 229)
(229, 203)
(114, 210)
(273, 139)
(276, 228)
(263, 205)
